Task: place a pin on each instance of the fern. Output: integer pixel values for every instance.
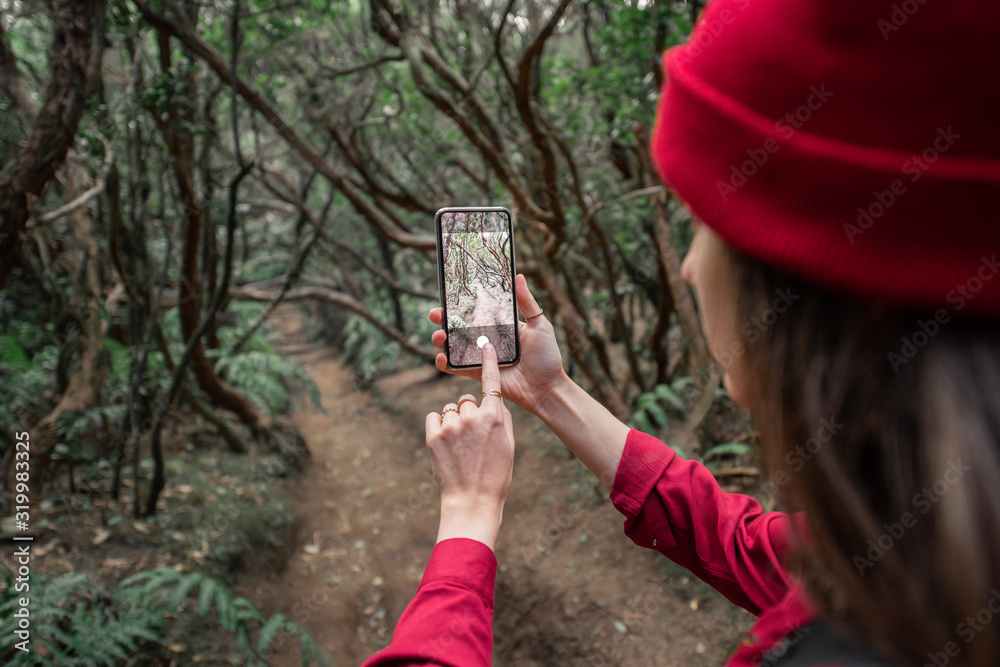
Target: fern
(265, 378)
(258, 371)
(79, 625)
(120, 355)
(234, 613)
(727, 449)
(669, 396)
(22, 385)
(268, 632)
(76, 625)
(369, 350)
(653, 409)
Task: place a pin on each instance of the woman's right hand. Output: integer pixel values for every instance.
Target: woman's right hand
(540, 369)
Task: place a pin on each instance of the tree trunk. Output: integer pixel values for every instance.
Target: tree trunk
(180, 145)
(76, 56)
(86, 384)
(694, 339)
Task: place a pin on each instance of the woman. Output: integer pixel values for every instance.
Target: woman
(843, 162)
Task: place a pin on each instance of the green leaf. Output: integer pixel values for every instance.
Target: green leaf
(205, 596)
(246, 611)
(12, 355)
(682, 383)
(727, 449)
(310, 652)
(156, 574)
(658, 414)
(181, 593)
(667, 395)
(226, 610)
(269, 630)
(243, 639)
(642, 421)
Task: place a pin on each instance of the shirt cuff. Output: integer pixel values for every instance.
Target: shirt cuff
(466, 562)
(643, 463)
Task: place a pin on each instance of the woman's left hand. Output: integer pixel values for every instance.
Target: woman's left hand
(472, 451)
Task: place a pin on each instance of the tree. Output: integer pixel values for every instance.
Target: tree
(228, 156)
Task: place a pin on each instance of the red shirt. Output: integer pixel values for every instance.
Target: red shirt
(671, 505)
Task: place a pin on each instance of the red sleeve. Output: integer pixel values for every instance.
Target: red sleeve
(676, 507)
(450, 619)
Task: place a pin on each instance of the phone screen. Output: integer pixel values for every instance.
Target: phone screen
(476, 266)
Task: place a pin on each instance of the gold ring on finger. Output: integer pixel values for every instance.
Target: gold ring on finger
(495, 392)
(465, 400)
(447, 410)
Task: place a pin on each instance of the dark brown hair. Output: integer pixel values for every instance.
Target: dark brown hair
(883, 425)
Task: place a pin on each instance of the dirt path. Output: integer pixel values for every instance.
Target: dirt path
(493, 306)
(571, 590)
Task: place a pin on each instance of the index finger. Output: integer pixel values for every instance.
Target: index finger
(491, 374)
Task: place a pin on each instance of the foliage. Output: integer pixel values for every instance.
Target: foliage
(79, 625)
(29, 354)
(257, 370)
(235, 614)
(23, 380)
(76, 625)
(652, 407)
(266, 378)
(368, 350)
(659, 409)
(595, 83)
(344, 88)
(727, 449)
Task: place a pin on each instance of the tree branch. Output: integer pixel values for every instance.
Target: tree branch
(293, 199)
(98, 188)
(330, 73)
(258, 292)
(355, 196)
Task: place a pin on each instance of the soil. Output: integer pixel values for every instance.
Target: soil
(494, 305)
(571, 588)
(491, 314)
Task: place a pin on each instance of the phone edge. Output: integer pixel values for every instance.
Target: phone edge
(440, 272)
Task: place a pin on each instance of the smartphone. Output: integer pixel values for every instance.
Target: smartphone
(475, 250)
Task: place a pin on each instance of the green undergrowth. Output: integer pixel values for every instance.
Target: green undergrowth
(74, 622)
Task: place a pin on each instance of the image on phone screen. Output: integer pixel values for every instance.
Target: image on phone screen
(476, 260)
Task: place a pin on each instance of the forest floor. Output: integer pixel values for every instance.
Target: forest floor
(493, 305)
(571, 588)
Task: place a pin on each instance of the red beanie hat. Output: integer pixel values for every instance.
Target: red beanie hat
(855, 143)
